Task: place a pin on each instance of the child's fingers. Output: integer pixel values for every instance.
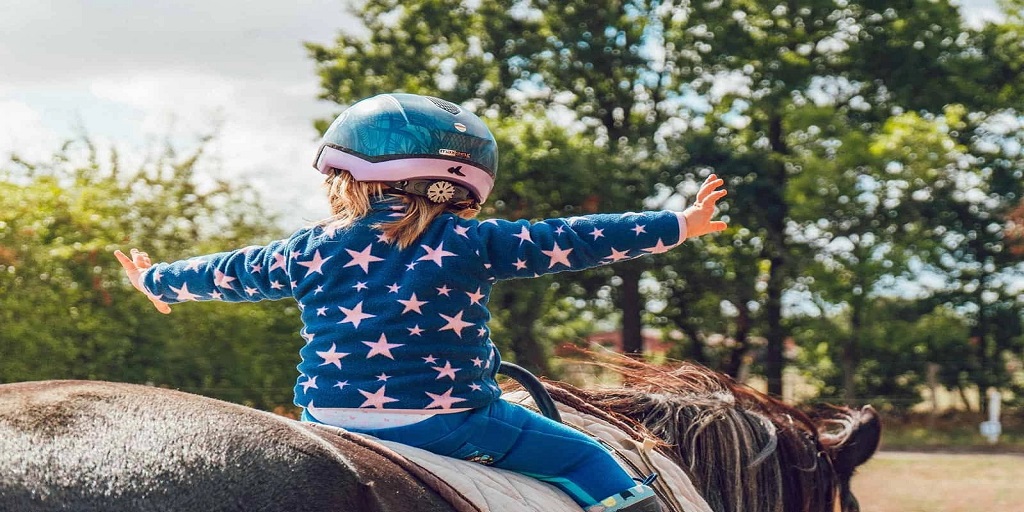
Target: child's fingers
(160, 306)
(708, 188)
(716, 226)
(125, 261)
(715, 196)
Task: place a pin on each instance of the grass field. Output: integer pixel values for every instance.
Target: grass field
(938, 482)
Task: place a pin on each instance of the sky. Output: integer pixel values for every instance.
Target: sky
(130, 74)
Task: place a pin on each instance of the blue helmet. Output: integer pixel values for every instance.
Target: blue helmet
(417, 144)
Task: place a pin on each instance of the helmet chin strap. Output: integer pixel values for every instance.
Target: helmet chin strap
(437, 191)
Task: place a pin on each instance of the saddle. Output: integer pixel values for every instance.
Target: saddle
(471, 487)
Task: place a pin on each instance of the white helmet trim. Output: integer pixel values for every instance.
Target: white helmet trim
(475, 178)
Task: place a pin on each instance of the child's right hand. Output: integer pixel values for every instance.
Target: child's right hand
(133, 267)
(698, 215)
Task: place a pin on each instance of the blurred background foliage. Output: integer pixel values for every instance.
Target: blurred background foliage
(872, 151)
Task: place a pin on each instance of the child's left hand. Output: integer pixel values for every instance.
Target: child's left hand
(133, 267)
(698, 215)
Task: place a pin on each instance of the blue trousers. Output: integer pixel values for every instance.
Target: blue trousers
(515, 438)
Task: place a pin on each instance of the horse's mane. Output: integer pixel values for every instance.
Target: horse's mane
(744, 450)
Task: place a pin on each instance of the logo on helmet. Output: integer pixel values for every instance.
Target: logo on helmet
(457, 170)
(460, 127)
(457, 154)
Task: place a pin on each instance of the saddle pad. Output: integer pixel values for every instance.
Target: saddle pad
(494, 489)
(489, 488)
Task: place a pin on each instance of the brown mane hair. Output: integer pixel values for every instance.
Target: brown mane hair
(744, 451)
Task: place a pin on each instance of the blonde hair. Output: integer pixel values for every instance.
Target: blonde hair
(350, 201)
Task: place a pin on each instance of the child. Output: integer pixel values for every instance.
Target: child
(393, 291)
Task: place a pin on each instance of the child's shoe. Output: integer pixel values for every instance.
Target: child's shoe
(635, 499)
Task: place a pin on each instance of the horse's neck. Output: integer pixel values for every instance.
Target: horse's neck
(640, 458)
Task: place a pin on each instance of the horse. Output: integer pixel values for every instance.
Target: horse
(106, 446)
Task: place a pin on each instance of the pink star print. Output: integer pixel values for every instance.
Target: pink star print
(354, 315)
(310, 382)
(474, 298)
(524, 235)
(221, 279)
(455, 323)
(658, 248)
(183, 293)
(278, 261)
(446, 371)
(314, 265)
(558, 256)
(376, 399)
(412, 304)
(415, 330)
(362, 258)
(444, 401)
(618, 255)
(381, 347)
(331, 356)
(435, 254)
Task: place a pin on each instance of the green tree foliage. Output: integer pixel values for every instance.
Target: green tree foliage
(68, 311)
(847, 131)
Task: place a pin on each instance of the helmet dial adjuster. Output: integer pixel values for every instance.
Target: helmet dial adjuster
(437, 191)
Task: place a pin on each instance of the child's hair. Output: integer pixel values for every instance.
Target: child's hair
(350, 201)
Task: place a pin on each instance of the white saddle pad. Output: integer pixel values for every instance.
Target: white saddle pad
(500, 490)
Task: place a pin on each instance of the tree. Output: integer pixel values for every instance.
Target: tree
(779, 98)
(67, 309)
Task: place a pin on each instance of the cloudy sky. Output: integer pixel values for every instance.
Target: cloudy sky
(131, 73)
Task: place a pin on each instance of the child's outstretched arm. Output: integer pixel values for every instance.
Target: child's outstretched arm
(133, 267)
(698, 215)
(250, 274)
(528, 249)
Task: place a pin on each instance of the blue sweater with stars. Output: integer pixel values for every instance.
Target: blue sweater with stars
(406, 329)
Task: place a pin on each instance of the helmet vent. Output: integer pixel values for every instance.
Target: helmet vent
(447, 106)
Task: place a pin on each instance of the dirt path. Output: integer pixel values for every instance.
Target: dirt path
(940, 482)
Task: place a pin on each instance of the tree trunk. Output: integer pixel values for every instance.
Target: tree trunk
(776, 334)
(632, 309)
(734, 363)
(851, 353)
(776, 212)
